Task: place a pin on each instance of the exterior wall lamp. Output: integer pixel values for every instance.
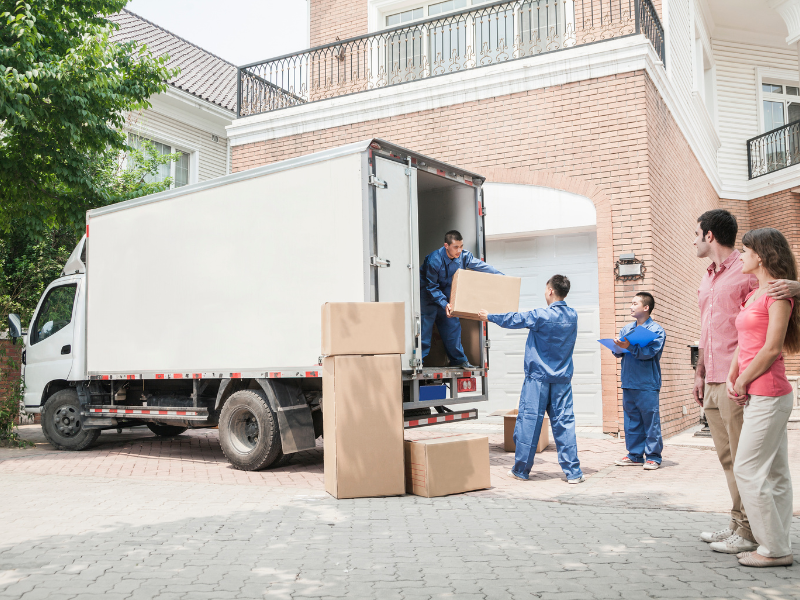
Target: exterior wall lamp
(629, 268)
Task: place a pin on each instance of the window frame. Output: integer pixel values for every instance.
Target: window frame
(175, 145)
(34, 329)
(780, 77)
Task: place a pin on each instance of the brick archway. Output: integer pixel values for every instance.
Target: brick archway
(605, 265)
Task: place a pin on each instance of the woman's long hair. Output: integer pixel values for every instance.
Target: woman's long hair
(778, 259)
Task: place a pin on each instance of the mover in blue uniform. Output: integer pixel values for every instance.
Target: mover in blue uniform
(641, 382)
(548, 379)
(436, 275)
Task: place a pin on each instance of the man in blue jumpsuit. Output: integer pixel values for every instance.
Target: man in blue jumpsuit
(548, 380)
(436, 276)
(641, 382)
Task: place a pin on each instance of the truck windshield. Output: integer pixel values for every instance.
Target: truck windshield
(56, 312)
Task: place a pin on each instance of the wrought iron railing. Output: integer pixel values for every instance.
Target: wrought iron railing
(469, 39)
(774, 150)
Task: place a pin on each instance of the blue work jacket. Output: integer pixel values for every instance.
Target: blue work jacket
(641, 366)
(548, 351)
(436, 274)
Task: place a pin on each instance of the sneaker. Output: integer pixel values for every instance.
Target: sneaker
(580, 479)
(651, 465)
(515, 476)
(627, 462)
(716, 536)
(734, 545)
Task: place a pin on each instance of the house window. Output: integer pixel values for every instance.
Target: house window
(178, 170)
(444, 7)
(780, 105)
(404, 17)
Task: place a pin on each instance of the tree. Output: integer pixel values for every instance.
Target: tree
(28, 263)
(65, 89)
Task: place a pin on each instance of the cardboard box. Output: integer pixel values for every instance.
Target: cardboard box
(470, 340)
(510, 421)
(363, 328)
(473, 291)
(447, 465)
(362, 417)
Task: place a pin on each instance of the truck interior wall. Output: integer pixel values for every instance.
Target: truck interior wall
(444, 205)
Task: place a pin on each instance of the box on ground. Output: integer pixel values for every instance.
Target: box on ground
(473, 291)
(510, 421)
(447, 465)
(363, 328)
(363, 426)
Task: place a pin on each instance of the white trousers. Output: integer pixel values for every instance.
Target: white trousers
(762, 472)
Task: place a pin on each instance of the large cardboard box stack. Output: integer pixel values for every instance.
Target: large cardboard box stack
(473, 291)
(510, 421)
(447, 465)
(362, 399)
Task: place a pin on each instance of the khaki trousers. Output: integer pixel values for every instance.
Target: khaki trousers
(762, 472)
(725, 418)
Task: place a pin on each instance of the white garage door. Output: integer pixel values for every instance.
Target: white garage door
(535, 259)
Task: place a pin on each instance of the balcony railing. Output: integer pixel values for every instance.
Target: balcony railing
(489, 35)
(774, 150)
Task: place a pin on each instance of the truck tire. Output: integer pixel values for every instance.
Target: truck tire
(248, 431)
(166, 430)
(62, 423)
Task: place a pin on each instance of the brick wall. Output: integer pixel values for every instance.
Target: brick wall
(337, 18)
(613, 133)
(679, 193)
(10, 362)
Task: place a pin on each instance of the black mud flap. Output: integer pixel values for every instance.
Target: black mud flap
(294, 415)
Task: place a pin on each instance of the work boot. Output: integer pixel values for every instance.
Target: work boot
(716, 536)
(734, 545)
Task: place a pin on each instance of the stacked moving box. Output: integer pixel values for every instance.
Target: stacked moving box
(362, 398)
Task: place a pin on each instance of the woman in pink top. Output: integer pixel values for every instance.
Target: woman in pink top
(757, 381)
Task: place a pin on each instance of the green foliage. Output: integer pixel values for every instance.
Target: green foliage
(65, 89)
(29, 262)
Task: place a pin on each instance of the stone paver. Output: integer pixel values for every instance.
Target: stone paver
(143, 517)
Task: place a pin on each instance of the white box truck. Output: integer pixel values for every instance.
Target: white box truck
(201, 306)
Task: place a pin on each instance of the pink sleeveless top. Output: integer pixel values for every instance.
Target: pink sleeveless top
(751, 326)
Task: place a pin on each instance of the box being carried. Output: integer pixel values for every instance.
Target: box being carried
(363, 426)
(473, 291)
(363, 328)
(447, 465)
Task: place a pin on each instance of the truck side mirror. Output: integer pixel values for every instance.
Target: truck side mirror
(14, 327)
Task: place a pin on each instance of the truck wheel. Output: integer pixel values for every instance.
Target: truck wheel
(62, 423)
(166, 430)
(248, 431)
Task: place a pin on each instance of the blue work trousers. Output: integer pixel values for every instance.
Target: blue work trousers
(642, 425)
(449, 329)
(537, 398)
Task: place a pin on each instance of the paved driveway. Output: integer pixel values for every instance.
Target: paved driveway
(144, 517)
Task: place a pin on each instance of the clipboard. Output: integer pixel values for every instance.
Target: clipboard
(641, 336)
(609, 343)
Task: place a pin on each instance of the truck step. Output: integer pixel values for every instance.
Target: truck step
(460, 415)
(182, 412)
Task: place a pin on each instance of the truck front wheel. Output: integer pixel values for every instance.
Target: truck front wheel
(62, 423)
(248, 431)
